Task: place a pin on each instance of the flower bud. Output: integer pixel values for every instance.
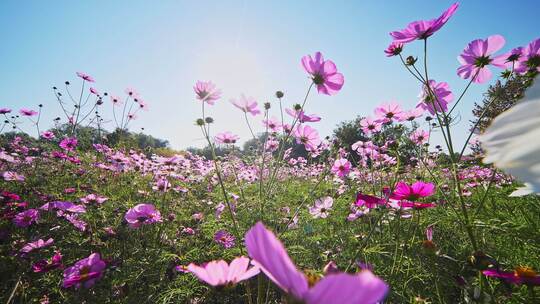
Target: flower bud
(199, 122)
(411, 60)
(267, 106)
(279, 94)
(209, 120)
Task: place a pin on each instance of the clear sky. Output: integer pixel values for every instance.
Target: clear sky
(254, 47)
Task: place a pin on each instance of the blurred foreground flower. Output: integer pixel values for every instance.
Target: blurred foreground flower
(511, 142)
(270, 254)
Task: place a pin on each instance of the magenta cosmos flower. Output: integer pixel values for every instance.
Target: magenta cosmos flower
(206, 91)
(369, 201)
(530, 57)
(394, 49)
(226, 138)
(324, 74)
(225, 239)
(47, 265)
(26, 218)
(478, 55)
(29, 247)
(307, 136)
(270, 255)
(5, 111)
(85, 272)
(85, 77)
(246, 104)
(142, 214)
(439, 100)
(27, 112)
(341, 167)
(413, 192)
(521, 275)
(48, 135)
(423, 29)
(217, 273)
(69, 143)
(322, 207)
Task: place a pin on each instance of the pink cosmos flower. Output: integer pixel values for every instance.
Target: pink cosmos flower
(13, 176)
(218, 273)
(225, 239)
(48, 135)
(322, 207)
(246, 104)
(412, 114)
(69, 143)
(116, 101)
(142, 214)
(438, 101)
(26, 218)
(413, 192)
(94, 91)
(530, 57)
(423, 29)
(85, 77)
(419, 136)
(394, 49)
(272, 258)
(206, 91)
(226, 138)
(324, 74)
(5, 111)
(131, 92)
(478, 55)
(85, 272)
(307, 136)
(36, 245)
(521, 275)
(63, 206)
(48, 265)
(387, 112)
(94, 199)
(370, 126)
(28, 112)
(302, 117)
(341, 167)
(142, 105)
(273, 124)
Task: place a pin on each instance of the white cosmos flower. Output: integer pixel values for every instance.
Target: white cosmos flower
(512, 141)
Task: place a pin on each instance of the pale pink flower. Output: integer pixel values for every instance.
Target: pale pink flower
(341, 167)
(307, 136)
(218, 273)
(387, 112)
(246, 104)
(226, 138)
(206, 91)
(419, 136)
(370, 125)
(321, 208)
(85, 77)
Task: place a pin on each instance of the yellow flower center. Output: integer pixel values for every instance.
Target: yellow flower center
(525, 272)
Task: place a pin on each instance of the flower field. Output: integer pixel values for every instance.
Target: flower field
(89, 215)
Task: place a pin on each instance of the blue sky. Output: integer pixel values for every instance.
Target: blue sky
(254, 47)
